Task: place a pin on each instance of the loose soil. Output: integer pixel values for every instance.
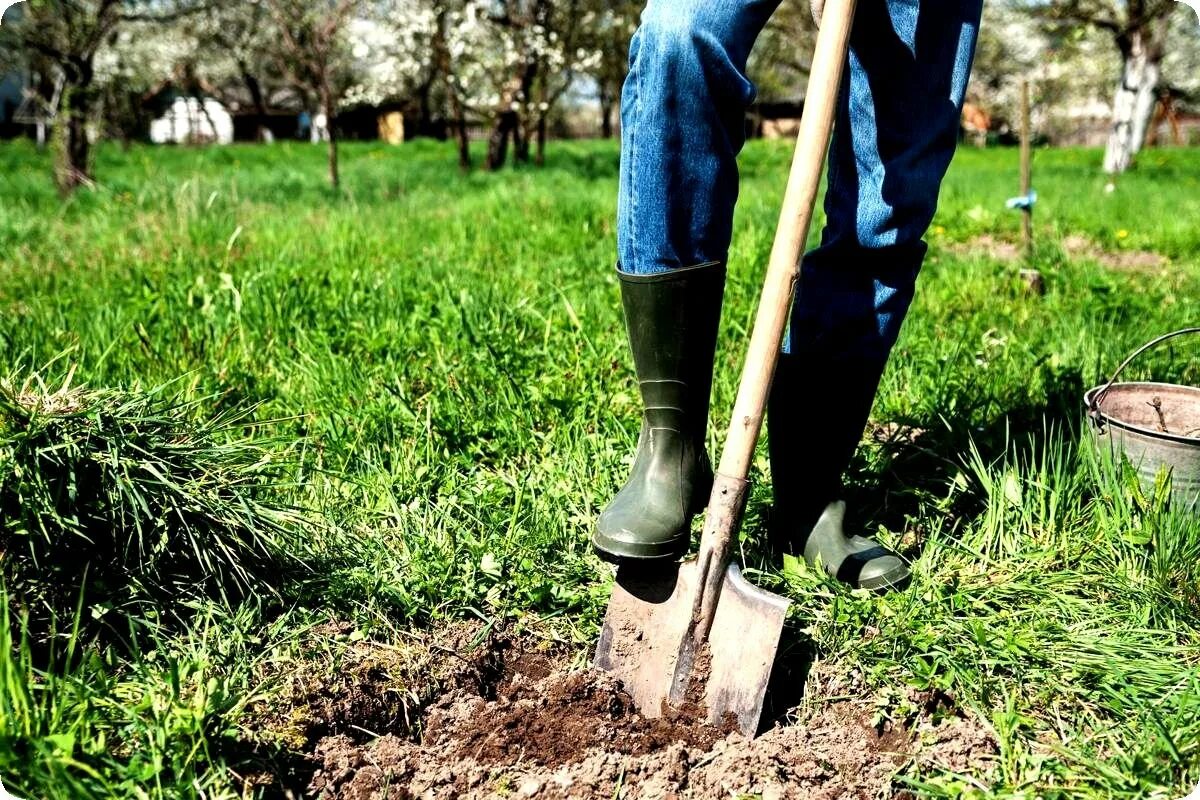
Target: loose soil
(342, 683)
(513, 718)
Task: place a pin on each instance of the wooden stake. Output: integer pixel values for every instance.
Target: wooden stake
(1026, 173)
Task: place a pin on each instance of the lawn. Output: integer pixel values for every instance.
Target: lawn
(394, 409)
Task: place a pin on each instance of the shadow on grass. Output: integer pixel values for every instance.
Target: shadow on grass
(267, 771)
(909, 464)
(918, 459)
(907, 475)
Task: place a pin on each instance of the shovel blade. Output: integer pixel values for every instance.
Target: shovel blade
(646, 642)
(742, 645)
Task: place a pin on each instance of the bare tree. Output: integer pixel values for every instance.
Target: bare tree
(1139, 30)
(311, 50)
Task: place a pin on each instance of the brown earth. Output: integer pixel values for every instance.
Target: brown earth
(514, 719)
(341, 684)
(1078, 246)
(576, 735)
(990, 246)
(1074, 245)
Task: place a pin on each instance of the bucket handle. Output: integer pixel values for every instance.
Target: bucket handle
(1098, 397)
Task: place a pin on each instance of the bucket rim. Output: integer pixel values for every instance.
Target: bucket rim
(1095, 411)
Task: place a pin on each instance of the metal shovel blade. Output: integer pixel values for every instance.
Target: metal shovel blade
(647, 643)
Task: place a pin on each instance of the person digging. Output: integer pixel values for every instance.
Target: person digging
(683, 123)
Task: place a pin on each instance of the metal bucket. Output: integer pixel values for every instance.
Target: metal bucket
(1155, 425)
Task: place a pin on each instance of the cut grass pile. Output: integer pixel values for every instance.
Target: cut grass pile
(434, 367)
(111, 497)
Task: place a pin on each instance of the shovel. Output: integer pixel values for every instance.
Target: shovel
(696, 639)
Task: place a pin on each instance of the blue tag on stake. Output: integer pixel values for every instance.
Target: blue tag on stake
(1023, 202)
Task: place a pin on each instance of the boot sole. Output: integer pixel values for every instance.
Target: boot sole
(619, 551)
(896, 580)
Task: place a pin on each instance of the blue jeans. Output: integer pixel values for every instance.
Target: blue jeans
(682, 115)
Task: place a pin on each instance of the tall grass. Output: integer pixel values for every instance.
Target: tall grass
(150, 721)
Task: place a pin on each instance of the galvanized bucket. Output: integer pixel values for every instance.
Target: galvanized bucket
(1155, 425)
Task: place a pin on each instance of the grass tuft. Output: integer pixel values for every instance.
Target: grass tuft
(124, 495)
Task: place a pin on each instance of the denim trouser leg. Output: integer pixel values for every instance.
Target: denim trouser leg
(682, 119)
(682, 124)
(897, 126)
(682, 112)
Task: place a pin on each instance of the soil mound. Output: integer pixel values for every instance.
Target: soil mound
(575, 734)
(467, 712)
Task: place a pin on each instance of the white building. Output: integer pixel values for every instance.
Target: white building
(193, 120)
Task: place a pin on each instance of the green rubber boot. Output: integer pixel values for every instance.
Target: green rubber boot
(817, 409)
(856, 560)
(672, 319)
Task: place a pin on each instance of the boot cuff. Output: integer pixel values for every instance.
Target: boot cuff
(714, 268)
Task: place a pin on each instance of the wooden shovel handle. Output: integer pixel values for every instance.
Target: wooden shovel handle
(783, 271)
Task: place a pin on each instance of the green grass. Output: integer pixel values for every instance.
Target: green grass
(438, 363)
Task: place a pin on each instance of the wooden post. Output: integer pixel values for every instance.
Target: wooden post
(1026, 173)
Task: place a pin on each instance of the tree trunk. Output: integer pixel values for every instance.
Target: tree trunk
(1143, 107)
(73, 151)
(464, 141)
(262, 133)
(506, 123)
(335, 179)
(539, 157)
(606, 111)
(442, 54)
(521, 139)
(1133, 103)
(328, 104)
(424, 122)
(212, 124)
(522, 128)
(460, 127)
(126, 138)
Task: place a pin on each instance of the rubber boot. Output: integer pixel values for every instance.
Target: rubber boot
(817, 410)
(672, 320)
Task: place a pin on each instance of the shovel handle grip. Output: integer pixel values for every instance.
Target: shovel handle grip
(783, 272)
